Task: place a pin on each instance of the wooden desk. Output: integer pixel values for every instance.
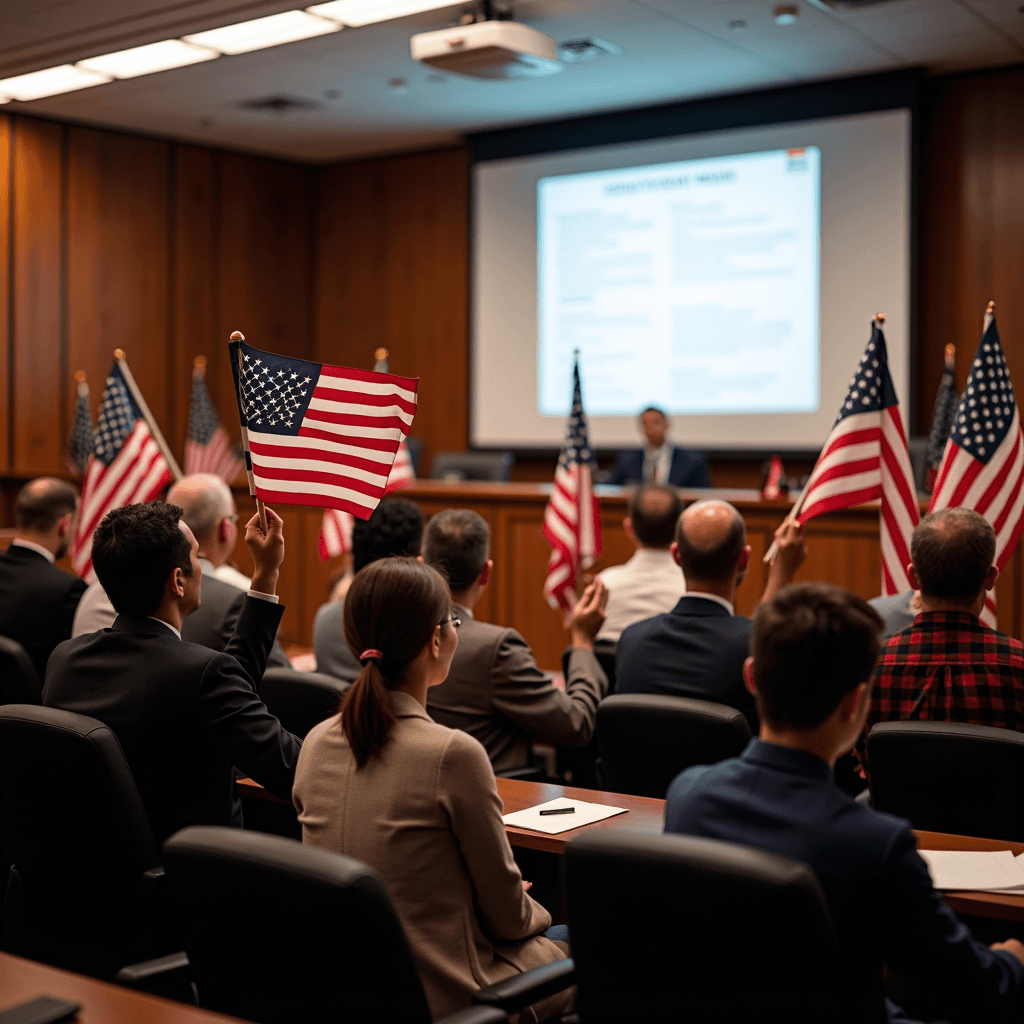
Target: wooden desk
(101, 1002)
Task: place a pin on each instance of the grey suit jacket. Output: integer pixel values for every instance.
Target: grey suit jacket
(496, 693)
(329, 647)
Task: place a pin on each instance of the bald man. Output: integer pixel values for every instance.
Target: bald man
(38, 600)
(697, 650)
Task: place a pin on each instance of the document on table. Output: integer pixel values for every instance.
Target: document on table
(583, 814)
(976, 870)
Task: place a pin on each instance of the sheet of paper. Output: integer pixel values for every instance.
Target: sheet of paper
(974, 870)
(583, 814)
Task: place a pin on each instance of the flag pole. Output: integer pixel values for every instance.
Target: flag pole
(260, 508)
(199, 366)
(82, 381)
(990, 312)
(772, 551)
(146, 414)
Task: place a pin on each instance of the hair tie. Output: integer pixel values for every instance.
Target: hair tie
(370, 654)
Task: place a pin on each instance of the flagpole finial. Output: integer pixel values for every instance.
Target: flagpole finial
(380, 354)
(950, 356)
(199, 365)
(80, 376)
(879, 319)
(119, 354)
(576, 353)
(991, 307)
(237, 336)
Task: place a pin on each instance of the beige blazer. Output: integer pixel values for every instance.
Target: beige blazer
(425, 814)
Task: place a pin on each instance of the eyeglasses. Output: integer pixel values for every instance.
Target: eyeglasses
(232, 518)
(454, 621)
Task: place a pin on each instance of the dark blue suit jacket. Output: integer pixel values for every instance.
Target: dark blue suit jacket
(696, 650)
(689, 468)
(884, 907)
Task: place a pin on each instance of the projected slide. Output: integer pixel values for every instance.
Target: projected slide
(692, 285)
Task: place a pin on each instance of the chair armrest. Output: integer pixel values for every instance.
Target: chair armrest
(521, 990)
(475, 1015)
(151, 975)
(155, 878)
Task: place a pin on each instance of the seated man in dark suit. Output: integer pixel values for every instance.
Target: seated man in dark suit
(494, 690)
(38, 600)
(395, 528)
(698, 649)
(658, 461)
(814, 653)
(185, 715)
(209, 512)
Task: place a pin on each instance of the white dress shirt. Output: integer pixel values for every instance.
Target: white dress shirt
(650, 583)
(662, 459)
(33, 546)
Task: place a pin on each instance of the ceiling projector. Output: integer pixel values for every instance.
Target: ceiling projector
(489, 49)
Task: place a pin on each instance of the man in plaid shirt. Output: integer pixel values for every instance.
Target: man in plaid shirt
(947, 666)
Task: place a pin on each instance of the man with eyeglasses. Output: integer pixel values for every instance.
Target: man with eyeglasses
(209, 512)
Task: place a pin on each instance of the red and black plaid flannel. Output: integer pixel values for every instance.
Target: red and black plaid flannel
(948, 667)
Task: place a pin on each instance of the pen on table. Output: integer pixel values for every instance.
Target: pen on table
(558, 810)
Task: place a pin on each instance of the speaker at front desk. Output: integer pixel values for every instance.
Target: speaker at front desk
(494, 466)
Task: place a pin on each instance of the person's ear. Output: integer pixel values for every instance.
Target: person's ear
(485, 573)
(627, 525)
(222, 530)
(674, 550)
(990, 578)
(176, 582)
(419, 558)
(435, 642)
(748, 676)
(64, 524)
(744, 559)
(912, 579)
(858, 697)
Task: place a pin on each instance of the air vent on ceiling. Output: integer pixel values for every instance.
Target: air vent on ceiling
(572, 51)
(279, 105)
(846, 6)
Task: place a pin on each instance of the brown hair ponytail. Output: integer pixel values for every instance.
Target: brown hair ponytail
(391, 611)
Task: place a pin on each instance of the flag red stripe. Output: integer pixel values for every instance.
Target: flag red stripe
(838, 502)
(320, 455)
(329, 394)
(370, 376)
(312, 476)
(996, 486)
(381, 444)
(840, 439)
(348, 419)
(964, 483)
(850, 468)
(318, 500)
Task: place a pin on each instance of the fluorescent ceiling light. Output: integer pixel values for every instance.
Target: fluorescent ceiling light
(364, 12)
(262, 32)
(50, 82)
(144, 60)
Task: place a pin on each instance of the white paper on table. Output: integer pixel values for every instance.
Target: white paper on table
(585, 814)
(974, 870)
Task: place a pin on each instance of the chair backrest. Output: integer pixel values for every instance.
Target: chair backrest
(660, 926)
(19, 681)
(279, 932)
(950, 777)
(646, 740)
(472, 466)
(300, 700)
(77, 834)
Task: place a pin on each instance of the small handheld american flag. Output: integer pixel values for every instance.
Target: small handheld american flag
(80, 443)
(317, 434)
(208, 448)
(983, 465)
(572, 518)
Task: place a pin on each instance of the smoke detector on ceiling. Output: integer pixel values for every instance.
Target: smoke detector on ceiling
(573, 51)
(489, 49)
(279, 105)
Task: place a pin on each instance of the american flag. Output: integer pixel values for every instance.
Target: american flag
(983, 466)
(80, 442)
(864, 458)
(208, 448)
(319, 434)
(126, 466)
(572, 518)
(946, 402)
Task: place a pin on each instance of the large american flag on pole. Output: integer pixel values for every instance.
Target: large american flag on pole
(572, 518)
(983, 465)
(126, 466)
(208, 448)
(865, 458)
(319, 434)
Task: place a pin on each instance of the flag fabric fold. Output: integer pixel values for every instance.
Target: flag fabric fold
(318, 434)
(81, 439)
(126, 466)
(943, 417)
(983, 464)
(572, 517)
(208, 448)
(865, 458)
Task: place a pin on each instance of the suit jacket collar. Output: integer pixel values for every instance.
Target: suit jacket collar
(406, 706)
(786, 759)
(142, 625)
(699, 607)
(24, 553)
(460, 611)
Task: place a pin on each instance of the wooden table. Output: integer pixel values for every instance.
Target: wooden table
(101, 1002)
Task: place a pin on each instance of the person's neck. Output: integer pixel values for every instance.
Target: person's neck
(416, 687)
(818, 742)
(212, 554)
(975, 607)
(467, 599)
(44, 540)
(169, 612)
(653, 547)
(723, 589)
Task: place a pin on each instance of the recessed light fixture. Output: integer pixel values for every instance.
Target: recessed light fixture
(50, 82)
(145, 60)
(399, 85)
(246, 36)
(365, 12)
(738, 25)
(786, 14)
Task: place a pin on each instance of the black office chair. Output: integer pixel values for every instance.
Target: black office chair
(278, 932)
(300, 700)
(655, 921)
(646, 740)
(950, 777)
(496, 466)
(86, 890)
(19, 681)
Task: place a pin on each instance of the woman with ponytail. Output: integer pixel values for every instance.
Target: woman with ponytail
(417, 801)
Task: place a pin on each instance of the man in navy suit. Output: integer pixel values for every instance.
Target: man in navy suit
(698, 649)
(814, 653)
(658, 461)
